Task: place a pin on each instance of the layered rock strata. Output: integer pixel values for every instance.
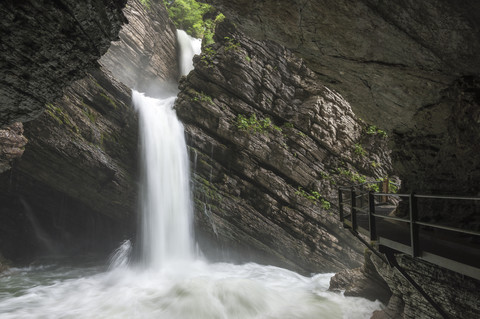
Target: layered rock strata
(145, 57)
(46, 45)
(79, 163)
(12, 145)
(269, 144)
(411, 68)
(74, 188)
(456, 295)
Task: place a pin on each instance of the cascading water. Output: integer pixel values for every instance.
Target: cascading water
(173, 284)
(165, 195)
(166, 209)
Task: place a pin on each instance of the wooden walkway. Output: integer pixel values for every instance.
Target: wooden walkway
(448, 247)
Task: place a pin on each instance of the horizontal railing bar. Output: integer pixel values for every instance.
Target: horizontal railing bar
(447, 197)
(391, 194)
(392, 218)
(454, 229)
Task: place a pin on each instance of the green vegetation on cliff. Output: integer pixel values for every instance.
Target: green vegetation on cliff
(197, 19)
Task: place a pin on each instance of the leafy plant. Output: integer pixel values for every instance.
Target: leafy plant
(359, 150)
(231, 44)
(354, 177)
(202, 97)
(253, 124)
(314, 197)
(145, 3)
(197, 19)
(208, 55)
(373, 130)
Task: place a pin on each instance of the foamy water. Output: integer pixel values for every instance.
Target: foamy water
(177, 291)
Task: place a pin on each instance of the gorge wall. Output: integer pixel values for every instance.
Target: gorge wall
(46, 45)
(409, 67)
(268, 144)
(74, 188)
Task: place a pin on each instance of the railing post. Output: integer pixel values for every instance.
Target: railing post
(340, 204)
(414, 238)
(385, 189)
(372, 225)
(353, 216)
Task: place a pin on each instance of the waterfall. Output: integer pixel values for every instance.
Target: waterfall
(188, 48)
(166, 208)
(173, 285)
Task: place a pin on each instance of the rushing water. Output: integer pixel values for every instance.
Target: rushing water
(165, 195)
(169, 281)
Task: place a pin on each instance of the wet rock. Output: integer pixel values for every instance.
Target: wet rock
(79, 165)
(362, 282)
(74, 190)
(403, 67)
(269, 143)
(456, 294)
(145, 56)
(12, 145)
(46, 45)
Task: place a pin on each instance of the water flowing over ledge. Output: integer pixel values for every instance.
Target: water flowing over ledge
(170, 282)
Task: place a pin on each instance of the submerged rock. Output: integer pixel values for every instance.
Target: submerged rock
(362, 282)
(269, 144)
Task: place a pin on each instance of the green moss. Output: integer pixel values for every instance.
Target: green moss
(207, 189)
(109, 100)
(60, 117)
(92, 115)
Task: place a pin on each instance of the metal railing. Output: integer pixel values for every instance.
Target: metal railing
(357, 201)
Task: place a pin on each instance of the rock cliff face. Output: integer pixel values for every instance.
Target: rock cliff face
(268, 144)
(12, 145)
(409, 67)
(146, 54)
(46, 45)
(79, 162)
(74, 188)
(457, 295)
